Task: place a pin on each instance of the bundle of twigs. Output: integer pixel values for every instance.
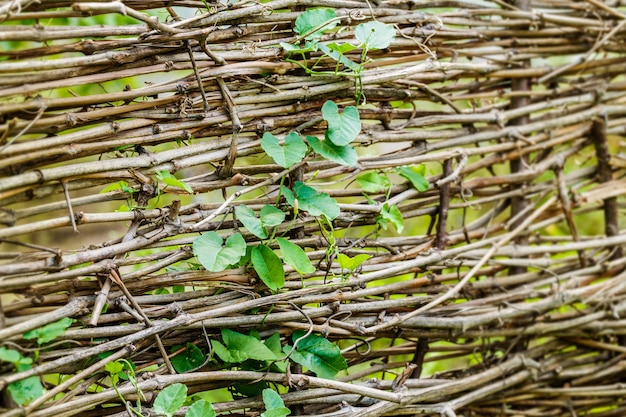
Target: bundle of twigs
(509, 284)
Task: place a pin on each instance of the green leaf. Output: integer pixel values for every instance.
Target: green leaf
(375, 35)
(26, 390)
(342, 48)
(415, 174)
(114, 367)
(317, 354)
(169, 179)
(342, 59)
(273, 344)
(240, 347)
(310, 200)
(343, 155)
(170, 399)
(250, 221)
(349, 263)
(271, 216)
(222, 352)
(50, 331)
(117, 186)
(373, 182)
(344, 127)
(274, 405)
(13, 356)
(268, 266)
(295, 49)
(215, 257)
(286, 155)
(393, 215)
(201, 408)
(191, 358)
(313, 18)
(295, 256)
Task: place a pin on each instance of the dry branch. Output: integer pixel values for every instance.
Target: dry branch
(512, 275)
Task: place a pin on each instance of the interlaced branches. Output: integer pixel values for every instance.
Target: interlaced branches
(440, 184)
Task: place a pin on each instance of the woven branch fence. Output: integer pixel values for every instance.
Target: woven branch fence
(504, 295)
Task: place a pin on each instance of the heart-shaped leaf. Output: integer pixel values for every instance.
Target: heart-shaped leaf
(373, 182)
(349, 263)
(343, 127)
(317, 354)
(215, 256)
(285, 155)
(313, 18)
(375, 35)
(170, 399)
(393, 215)
(310, 200)
(246, 216)
(344, 155)
(271, 216)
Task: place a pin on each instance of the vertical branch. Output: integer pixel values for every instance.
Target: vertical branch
(567, 211)
(605, 174)
(519, 204)
(444, 206)
(232, 109)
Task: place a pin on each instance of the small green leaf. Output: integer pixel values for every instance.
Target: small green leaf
(13, 356)
(286, 155)
(215, 257)
(274, 405)
(50, 331)
(344, 127)
(241, 347)
(344, 155)
(317, 354)
(268, 266)
(342, 59)
(114, 367)
(201, 408)
(375, 35)
(295, 49)
(313, 18)
(415, 174)
(271, 216)
(250, 221)
(373, 182)
(170, 399)
(117, 186)
(26, 390)
(295, 256)
(393, 215)
(310, 200)
(349, 263)
(342, 48)
(167, 178)
(191, 358)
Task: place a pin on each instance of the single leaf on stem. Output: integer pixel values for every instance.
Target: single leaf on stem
(295, 256)
(170, 399)
(343, 155)
(343, 127)
(268, 266)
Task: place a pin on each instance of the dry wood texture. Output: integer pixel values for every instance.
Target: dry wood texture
(507, 280)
